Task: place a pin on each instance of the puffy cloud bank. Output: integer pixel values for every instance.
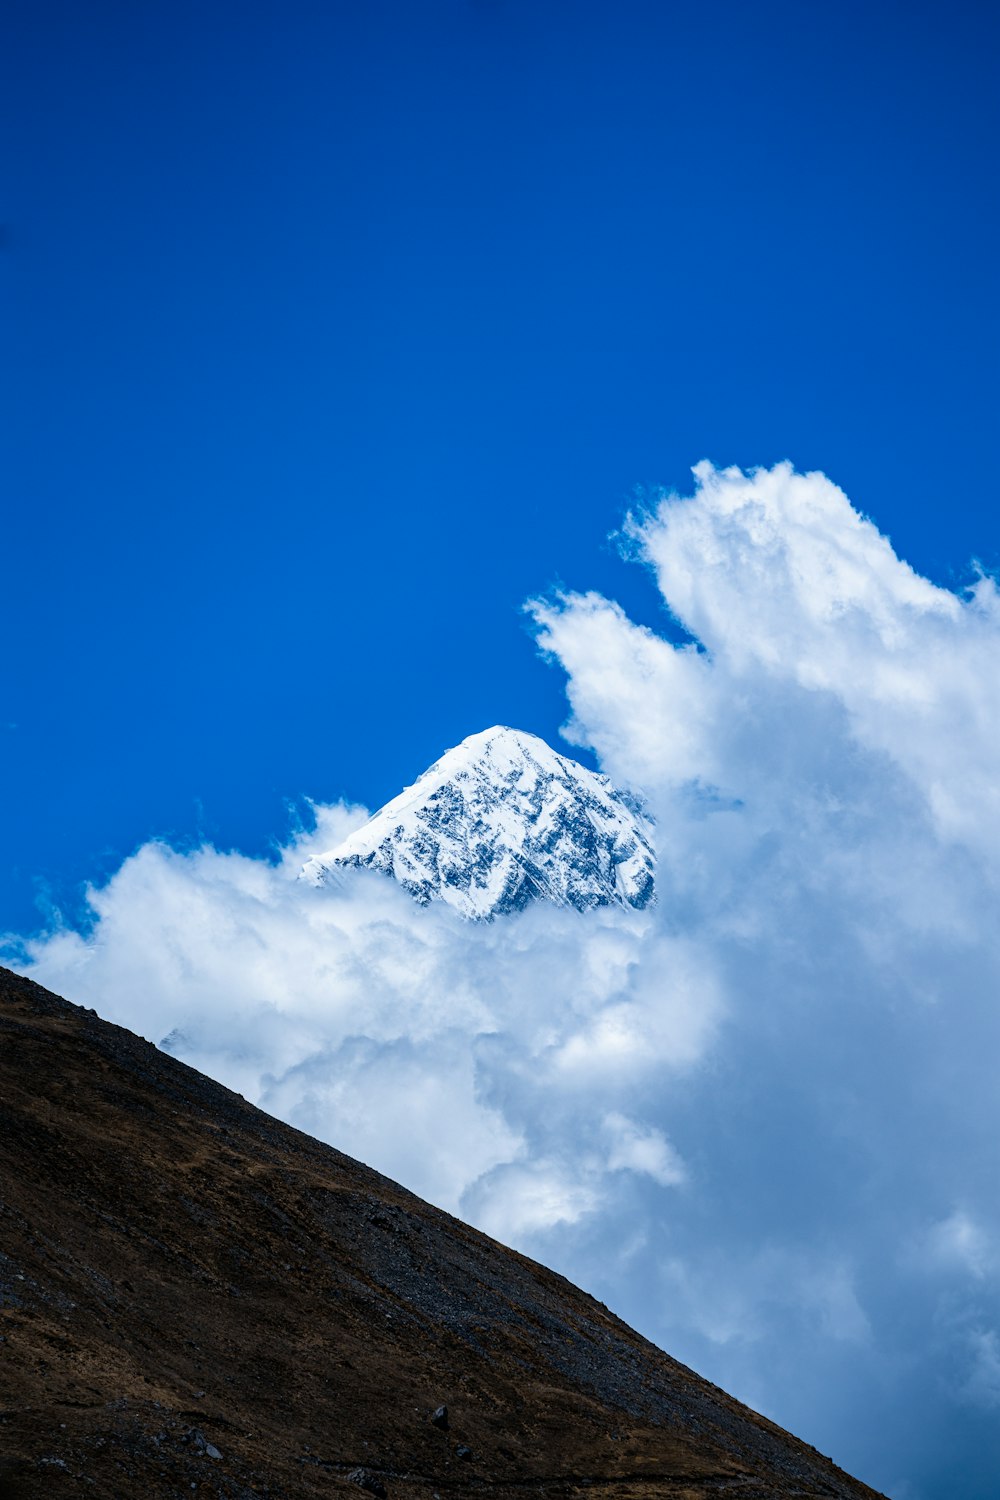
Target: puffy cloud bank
(761, 1119)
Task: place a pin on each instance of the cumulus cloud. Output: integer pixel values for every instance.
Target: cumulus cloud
(404, 1035)
(637, 1148)
(759, 1119)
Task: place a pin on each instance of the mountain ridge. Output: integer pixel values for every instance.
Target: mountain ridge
(498, 821)
(198, 1297)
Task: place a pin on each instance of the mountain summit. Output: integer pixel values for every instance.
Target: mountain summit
(498, 821)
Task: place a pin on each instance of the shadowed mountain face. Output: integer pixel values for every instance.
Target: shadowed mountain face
(196, 1298)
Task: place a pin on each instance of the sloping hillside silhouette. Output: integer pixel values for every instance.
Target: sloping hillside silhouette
(199, 1299)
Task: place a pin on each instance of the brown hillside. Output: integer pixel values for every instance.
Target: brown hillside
(198, 1299)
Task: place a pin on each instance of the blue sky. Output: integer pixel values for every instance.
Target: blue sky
(335, 336)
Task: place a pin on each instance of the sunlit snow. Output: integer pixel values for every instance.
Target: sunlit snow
(499, 820)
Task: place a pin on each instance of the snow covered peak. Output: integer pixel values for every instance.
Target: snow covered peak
(500, 820)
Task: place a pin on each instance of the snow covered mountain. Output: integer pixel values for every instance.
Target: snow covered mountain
(498, 821)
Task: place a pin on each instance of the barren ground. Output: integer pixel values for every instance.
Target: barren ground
(198, 1299)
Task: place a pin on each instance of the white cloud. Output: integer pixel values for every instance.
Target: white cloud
(636, 1148)
(518, 1200)
(403, 1035)
(956, 1243)
(789, 592)
(743, 1117)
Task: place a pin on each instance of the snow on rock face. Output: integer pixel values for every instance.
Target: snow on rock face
(498, 821)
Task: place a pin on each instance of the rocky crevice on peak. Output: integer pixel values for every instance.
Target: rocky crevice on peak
(502, 820)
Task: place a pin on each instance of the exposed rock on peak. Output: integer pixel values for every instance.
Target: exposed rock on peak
(499, 821)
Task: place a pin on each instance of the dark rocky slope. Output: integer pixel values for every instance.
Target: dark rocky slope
(198, 1299)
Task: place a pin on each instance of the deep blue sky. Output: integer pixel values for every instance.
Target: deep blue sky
(333, 331)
